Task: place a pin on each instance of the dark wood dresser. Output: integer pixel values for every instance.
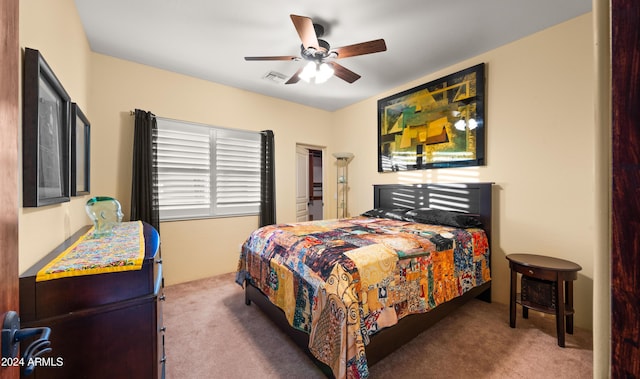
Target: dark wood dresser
(102, 326)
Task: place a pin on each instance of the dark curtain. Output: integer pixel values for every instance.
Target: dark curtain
(144, 178)
(267, 180)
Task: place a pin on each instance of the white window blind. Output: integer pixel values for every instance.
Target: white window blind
(206, 171)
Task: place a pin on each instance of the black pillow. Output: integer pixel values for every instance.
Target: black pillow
(394, 214)
(442, 217)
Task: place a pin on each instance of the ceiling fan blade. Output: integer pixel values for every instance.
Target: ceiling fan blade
(274, 58)
(362, 48)
(304, 27)
(344, 73)
(295, 78)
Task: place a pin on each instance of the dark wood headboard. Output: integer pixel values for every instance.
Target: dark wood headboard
(474, 198)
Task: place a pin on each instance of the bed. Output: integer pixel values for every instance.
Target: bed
(351, 291)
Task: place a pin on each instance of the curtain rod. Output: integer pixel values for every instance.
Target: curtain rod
(133, 113)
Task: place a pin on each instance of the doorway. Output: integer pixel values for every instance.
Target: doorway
(309, 183)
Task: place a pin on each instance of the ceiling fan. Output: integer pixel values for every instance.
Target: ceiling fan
(320, 55)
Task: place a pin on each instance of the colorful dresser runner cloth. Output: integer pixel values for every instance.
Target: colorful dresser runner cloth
(123, 250)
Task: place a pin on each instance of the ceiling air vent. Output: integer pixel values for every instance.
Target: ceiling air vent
(275, 77)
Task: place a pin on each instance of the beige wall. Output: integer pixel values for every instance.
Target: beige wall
(540, 142)
(193, 249)
(54, 28)
(540, 152)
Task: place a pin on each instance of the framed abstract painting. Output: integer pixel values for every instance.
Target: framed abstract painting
(437, 124)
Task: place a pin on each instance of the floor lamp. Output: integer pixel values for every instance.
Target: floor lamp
(342, 185)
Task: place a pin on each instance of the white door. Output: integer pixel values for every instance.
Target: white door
(302, 184)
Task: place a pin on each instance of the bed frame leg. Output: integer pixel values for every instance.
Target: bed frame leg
(247, 300)
(485, 295)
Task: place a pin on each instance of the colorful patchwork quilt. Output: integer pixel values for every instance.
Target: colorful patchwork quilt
(343, 280)
(121, 250)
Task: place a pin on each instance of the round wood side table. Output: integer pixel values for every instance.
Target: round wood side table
(546, 286)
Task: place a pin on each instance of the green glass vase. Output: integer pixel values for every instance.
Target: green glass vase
(105, 212)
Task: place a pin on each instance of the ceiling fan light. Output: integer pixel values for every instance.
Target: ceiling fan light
(308, 72)
(472, 123)
(325, 71)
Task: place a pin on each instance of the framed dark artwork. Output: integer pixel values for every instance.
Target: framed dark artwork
(80, 153)
(437, 124)
(45, 134)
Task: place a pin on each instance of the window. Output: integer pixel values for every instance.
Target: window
(206, 171)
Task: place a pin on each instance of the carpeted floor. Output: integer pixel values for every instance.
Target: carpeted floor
(211, 333)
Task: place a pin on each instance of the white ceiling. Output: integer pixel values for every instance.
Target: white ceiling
(209, 39)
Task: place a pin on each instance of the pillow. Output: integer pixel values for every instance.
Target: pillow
(441, 217)
(394, 213)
